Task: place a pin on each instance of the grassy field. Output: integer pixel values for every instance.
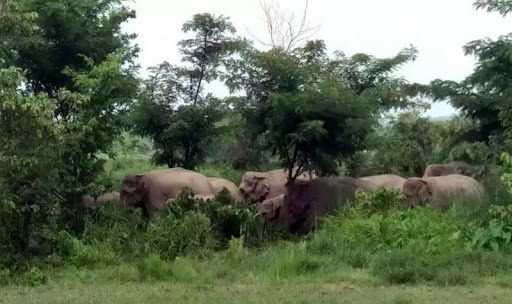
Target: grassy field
(121, 284)
(342, 292)
(360, 256)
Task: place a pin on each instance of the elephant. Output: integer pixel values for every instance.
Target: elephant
(385, 180)
(259, 186)
(204, 198)
(305, 201)
(445, 169)
(88, 200)
(220, 183)
(109, 197)
(441, 191)
(112, 197)
(269, 211)
(155, 188)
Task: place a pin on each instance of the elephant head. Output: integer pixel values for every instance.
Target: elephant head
(133, 189)
(254, 186)
(416, 190)
(88, 200)
(270, 209)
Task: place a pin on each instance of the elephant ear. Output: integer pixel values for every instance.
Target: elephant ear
(140, 183)
(427, 185)
(261, 186)
(424, 189)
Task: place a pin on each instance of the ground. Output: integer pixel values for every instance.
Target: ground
(168, 292)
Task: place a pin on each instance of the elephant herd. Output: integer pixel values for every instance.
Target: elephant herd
(294, 206)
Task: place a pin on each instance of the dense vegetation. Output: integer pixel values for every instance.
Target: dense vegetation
(75, 118)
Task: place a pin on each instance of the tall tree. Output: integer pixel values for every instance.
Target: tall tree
(173, 109)
(77, 54)
(28, 167)
(302, 106)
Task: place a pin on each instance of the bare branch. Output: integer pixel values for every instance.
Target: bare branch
(282, 29)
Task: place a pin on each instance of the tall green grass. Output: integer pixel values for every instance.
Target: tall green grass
(371, 241)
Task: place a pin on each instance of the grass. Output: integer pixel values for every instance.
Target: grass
(75, 291)
(382, 256)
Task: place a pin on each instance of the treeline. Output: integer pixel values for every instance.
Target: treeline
(69, 89)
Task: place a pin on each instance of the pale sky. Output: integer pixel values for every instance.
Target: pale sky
(438, 28)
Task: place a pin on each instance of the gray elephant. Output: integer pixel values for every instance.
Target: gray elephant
(155, 188)
(88, 200)
(305, 201)
(386, 180)
(221, 183)
(259, 186)
(446, 169)
(269, 211)
(441, 191)
(109, 197)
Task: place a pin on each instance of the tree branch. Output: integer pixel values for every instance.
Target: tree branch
(281, 29)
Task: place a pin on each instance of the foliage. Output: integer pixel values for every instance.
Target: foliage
(404, 146)
(57, 35)
(309, 109)
(28, 178)
(173, 109)
(68, 81)
(485, 94)
(56, 115)
(86, 70)
(498, 232)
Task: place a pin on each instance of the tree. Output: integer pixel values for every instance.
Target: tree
(282, 30)
(309, 109)
(78, 56)
(504, 7)
(405, 146)
(373, 78)
(28, 169)
(173, 109)
(485, 95)
(60, 35)
(304, 109)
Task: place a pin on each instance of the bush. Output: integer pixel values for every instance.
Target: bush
(190, 235)
(116, 228)
(154, 268)
(81, 255)
(377, 228)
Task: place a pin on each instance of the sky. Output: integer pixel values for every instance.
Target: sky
(438, 28)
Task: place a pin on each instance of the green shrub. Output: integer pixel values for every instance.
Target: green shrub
(81, 255)
(172, 236)
(153, 268)
(116, 228)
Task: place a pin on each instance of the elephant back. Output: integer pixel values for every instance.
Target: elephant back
(448, 188)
